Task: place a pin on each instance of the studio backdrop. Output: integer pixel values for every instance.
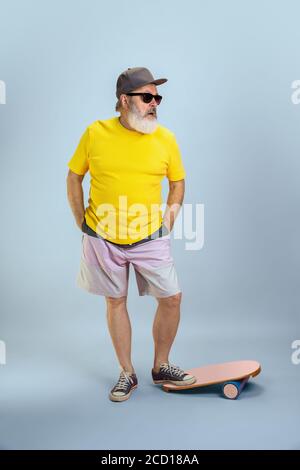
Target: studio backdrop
(233, 101)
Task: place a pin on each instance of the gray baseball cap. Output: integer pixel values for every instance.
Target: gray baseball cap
(135, 77)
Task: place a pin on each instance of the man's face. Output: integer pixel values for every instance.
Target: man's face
(142, 116)
(147, 110)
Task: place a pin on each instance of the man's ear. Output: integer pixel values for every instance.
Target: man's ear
(124, 100)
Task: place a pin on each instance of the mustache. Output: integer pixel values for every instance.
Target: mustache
(136, 111)
(152, 111)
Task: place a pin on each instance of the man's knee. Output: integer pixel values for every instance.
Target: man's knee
(172, 301)
(116, 301)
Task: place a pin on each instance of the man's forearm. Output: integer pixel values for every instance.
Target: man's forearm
(174, 202)
(76, 199)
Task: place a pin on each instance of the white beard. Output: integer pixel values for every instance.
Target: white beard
(139, 123)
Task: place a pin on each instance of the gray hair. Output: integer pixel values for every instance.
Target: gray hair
(118, 106)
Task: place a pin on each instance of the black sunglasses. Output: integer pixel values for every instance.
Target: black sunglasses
(147, 97)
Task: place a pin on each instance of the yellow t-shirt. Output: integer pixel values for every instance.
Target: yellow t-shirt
(126, 169)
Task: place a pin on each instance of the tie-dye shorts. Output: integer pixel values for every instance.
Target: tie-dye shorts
(104, 267)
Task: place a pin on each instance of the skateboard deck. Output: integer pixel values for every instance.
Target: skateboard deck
(232, 375)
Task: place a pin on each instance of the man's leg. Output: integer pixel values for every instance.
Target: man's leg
(165, 327)
(120, 330)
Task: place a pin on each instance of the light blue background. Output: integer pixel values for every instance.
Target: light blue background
(230, 66)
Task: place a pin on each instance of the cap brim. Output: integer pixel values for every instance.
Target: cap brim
(159, 81)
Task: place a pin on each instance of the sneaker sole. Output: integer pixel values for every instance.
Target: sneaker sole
(176, 382)
(120, 398)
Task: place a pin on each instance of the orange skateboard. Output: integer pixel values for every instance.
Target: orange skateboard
(232, 375)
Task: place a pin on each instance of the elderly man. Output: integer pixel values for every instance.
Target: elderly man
(127, 157)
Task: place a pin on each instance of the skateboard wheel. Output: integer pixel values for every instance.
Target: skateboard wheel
(232, 390)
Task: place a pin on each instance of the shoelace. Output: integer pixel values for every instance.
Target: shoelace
(175, 370)
(123, 381)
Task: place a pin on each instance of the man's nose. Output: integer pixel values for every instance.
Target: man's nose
(153, 103)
